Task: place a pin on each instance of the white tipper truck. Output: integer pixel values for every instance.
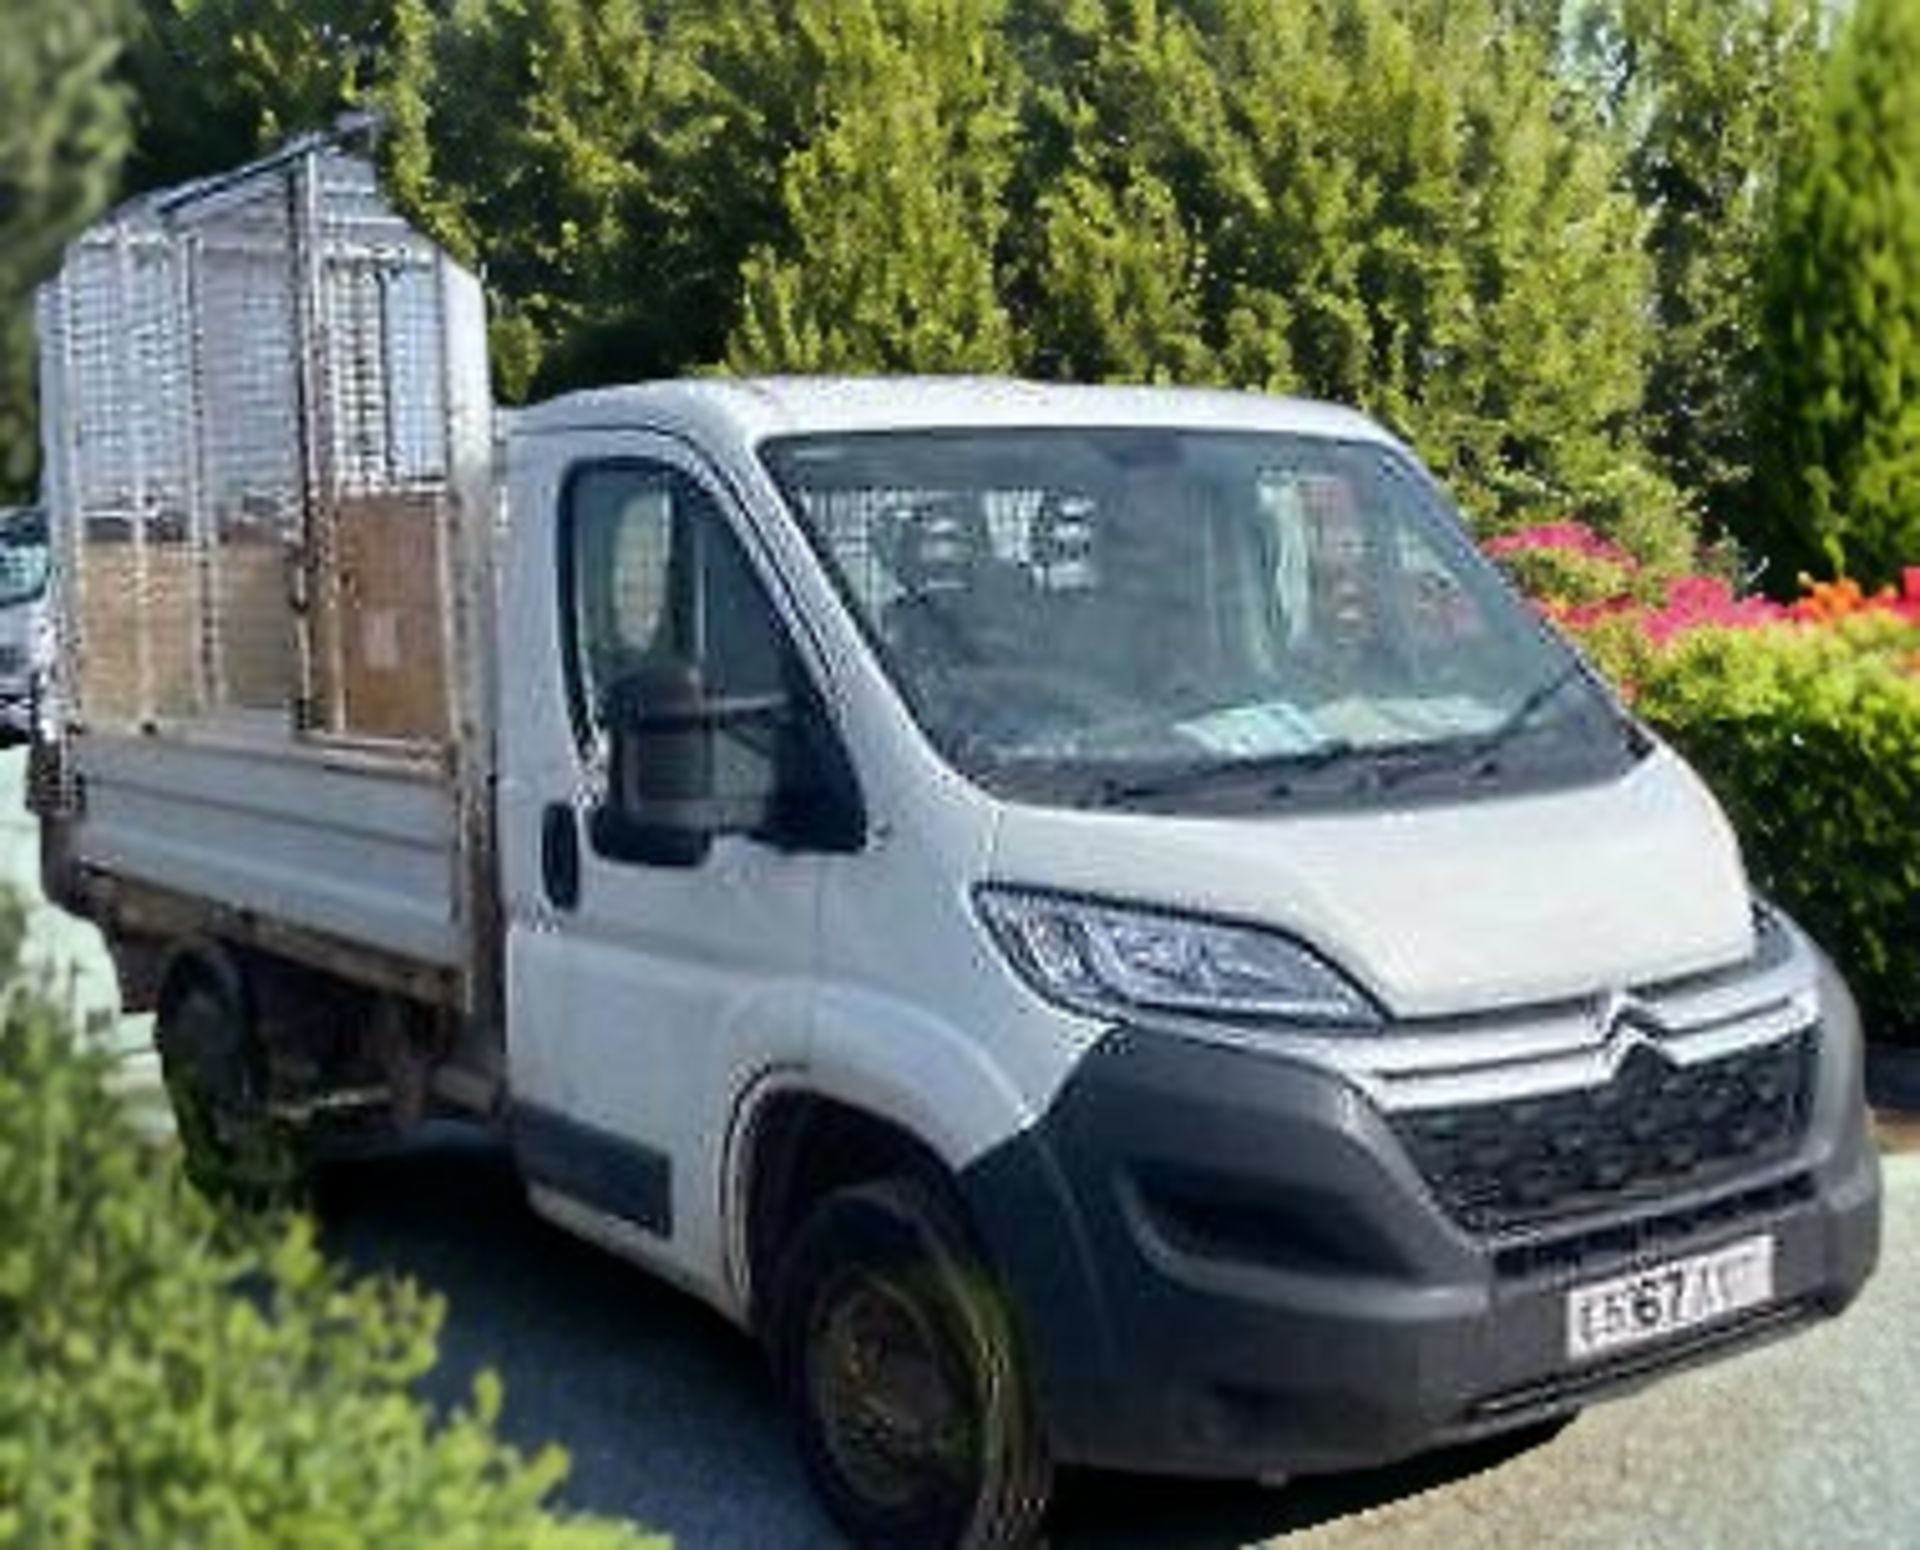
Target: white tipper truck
(1091, 921)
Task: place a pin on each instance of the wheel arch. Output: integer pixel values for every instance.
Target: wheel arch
(898, 1085)
(796, 1142)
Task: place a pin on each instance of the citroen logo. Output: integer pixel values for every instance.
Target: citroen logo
(1627, 1025)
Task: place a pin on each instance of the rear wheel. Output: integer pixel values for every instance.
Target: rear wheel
(218, 1079)
(898, 1360)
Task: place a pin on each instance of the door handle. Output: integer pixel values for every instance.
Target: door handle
(560, 855)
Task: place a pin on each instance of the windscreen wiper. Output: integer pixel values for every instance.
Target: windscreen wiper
(1276, 768)
(1483, 746)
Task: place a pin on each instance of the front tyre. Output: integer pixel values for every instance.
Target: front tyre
(898, 1361)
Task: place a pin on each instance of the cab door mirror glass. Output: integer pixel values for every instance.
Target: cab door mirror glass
(684, 765)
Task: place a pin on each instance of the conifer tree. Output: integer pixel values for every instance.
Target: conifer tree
(1712, 95)
(1113, 270)
(1400, 203)
(554, 143)
(1840, 412)
(1394, 203)
(63, 136)
(1119, 283)
(895, 207)
(219, 81)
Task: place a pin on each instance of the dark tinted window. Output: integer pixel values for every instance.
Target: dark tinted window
(653, 570)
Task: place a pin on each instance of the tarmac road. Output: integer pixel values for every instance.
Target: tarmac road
(1811, 1444)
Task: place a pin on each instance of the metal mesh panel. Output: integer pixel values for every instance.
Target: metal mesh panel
(169, 609)
(249, 388)
(389, 421)
(95, 371)
(378, 531)
(382, 315)
(248, 424)
(125, 349)
(255, 387)
(856, 524)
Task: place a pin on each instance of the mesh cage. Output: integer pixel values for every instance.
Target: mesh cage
(252, 458)
(248, 420)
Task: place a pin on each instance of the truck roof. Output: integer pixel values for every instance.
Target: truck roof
(752, 409)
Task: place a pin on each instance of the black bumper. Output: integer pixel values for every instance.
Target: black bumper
(1227, 1264)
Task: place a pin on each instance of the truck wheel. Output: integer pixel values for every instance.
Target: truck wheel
(898, 1361)
(216, 1072)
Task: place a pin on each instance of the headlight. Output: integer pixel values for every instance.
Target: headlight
(1111, 959)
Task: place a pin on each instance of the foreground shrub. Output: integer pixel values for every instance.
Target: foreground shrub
(172, 1382)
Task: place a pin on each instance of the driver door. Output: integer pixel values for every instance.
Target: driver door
(655, 991)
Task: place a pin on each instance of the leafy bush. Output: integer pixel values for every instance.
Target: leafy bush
(168, 1380)
(1568, 565)
(1811, 740)
(1803, 716)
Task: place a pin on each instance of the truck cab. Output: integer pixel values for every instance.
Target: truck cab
(1092, 922)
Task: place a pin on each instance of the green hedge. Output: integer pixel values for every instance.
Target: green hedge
(1811, 740)
(173, 1381)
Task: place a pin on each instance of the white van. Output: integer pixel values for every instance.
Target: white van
(1092, 921)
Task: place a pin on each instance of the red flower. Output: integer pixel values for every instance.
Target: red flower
(1570, 537)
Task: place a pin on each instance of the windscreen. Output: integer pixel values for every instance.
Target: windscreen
(1145, 614)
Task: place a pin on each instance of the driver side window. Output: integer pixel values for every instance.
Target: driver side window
(653, 570)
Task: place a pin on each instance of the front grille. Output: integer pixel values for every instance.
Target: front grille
(1655, 1129)
(13, 659)
(1591, 1250)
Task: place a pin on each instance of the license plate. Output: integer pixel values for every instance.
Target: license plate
(1663, 1300)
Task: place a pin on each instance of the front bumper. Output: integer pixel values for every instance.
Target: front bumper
(1229, 1264)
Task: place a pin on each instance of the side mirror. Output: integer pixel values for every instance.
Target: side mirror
(684, 766)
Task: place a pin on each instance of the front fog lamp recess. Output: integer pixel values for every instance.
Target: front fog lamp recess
(1110, 959)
